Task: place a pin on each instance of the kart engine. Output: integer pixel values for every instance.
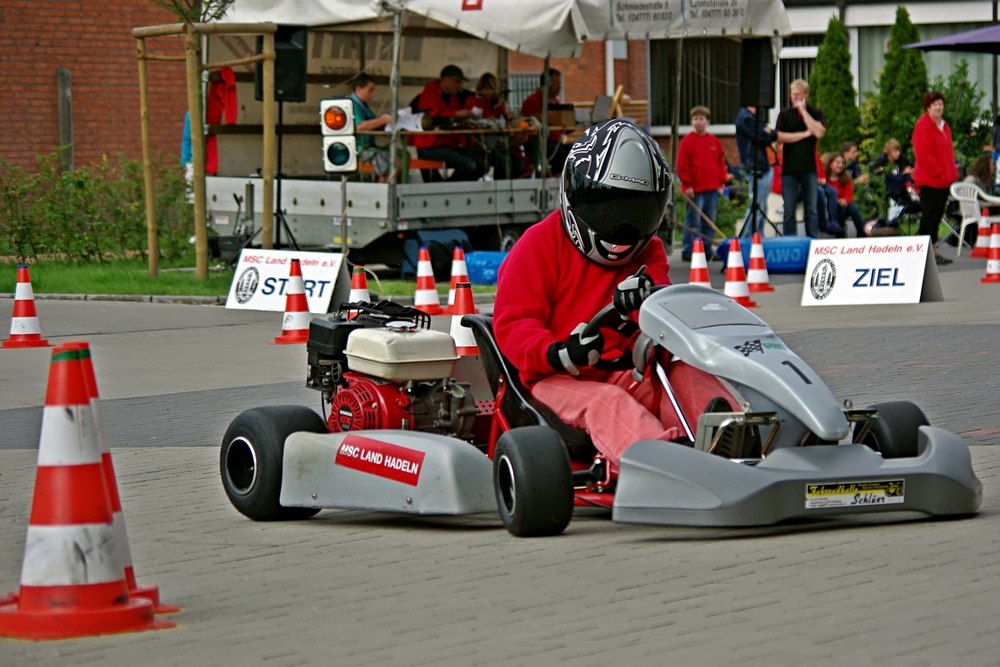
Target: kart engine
(383, 368)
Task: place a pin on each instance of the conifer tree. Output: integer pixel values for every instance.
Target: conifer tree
(831, 88)
(902, 84)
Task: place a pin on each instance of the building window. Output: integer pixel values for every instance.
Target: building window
(710, 72)
(520, 86)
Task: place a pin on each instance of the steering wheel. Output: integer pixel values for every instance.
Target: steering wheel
(609, 318)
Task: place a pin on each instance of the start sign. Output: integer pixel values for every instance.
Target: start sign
(895, 269)
(262, 278)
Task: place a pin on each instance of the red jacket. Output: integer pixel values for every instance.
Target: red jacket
(845, 191)
(546, 287)
(432, 99)
(474, 101)
(532, 106)
(935, 154)
(701, 162)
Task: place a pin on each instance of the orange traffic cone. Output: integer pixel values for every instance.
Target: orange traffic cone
(757, 278)
(149, 592)
(983, 239)
(295, 323)
(465, 341)
(359, 285)
(24, 328)
(699, 265)
(993, 263)
(72, 578)
(426, 297)
(736, 279)
(459, 274)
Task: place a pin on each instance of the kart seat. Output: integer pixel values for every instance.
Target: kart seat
(520, 407)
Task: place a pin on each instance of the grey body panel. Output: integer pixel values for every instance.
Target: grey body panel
(670, 484)
(453, 478)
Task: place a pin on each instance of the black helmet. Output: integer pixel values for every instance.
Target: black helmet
(614, 190)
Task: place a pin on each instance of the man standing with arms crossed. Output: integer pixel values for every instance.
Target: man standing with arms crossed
(799, 127)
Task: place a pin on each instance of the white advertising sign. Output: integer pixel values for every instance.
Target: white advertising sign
(889, 269)
(262, 278)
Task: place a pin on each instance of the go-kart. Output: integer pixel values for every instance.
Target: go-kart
(403, 435)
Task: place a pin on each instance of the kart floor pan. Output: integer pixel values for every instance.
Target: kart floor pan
(670, 484)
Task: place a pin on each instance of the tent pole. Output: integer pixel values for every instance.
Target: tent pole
(675, 113)
(394, 144)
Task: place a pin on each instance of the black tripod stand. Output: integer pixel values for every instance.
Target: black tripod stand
(755, 212)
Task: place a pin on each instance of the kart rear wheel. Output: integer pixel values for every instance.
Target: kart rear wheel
(894, 431)
(533, 482)
(251, 459)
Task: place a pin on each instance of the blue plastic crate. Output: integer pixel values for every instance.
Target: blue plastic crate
(782, 254)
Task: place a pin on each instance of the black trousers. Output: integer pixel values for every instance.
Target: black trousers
(932, 203)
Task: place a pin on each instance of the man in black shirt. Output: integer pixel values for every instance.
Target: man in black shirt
(799, 127)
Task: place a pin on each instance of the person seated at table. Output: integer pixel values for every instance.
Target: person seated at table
(365, 120)
(532, 106)
(440, 99)
(487, 103)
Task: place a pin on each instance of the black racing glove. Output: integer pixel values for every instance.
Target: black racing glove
(632, 291)
(576, 352)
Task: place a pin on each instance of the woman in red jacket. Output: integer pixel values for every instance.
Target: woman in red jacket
(935, 170)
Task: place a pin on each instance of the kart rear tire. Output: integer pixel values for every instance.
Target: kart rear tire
(894, 431)
(533, 482)
(251, 459)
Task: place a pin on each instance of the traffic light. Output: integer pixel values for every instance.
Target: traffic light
(340, 146)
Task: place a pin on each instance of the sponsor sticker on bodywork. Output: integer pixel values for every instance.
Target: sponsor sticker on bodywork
(375, 457)
(854, 494)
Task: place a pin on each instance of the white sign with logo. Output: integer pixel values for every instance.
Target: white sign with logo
(261, 280)
(889, 269)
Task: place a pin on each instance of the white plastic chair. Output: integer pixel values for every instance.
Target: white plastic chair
(970, 198)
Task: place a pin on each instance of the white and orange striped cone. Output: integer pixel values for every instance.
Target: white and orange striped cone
(757, 278)
(72, 578)
(736, 278)
(993, 262)
(295, 323)
(983, 239)
(149, 592)
(465, 341)
(459, 274)
(699, 265)
(24, 328)
(359, 286)
(426, 298)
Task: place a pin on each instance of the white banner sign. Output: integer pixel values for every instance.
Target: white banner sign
(889, 269)
(262, 278)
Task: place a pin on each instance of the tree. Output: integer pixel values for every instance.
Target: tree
(195, 11)
(901, 85)
(969, 122)
(832, 88)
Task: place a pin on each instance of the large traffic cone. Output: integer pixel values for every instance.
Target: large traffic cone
(983, 239)
(465, 341)
(459, 274)
(426, 297)
(359, 286)
(24, 328)
(757, 278)
(149, 592)
(72, 578)
(699, 265)
(295, 323)
(736, 279)
(993, 263)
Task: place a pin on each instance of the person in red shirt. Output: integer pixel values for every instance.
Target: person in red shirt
(837, 177)
(440, 98)
(487, 103)
(599, 247)
(532, 106)
(935, 170)
(701, 166)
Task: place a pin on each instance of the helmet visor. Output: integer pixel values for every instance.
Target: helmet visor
(619, 216)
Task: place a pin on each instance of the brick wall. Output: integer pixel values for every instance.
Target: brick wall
(582, 78)
(93, 40)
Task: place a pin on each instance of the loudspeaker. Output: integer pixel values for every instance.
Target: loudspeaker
(757, 71)
(289, 65)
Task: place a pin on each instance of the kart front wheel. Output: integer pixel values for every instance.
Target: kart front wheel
(894, 431)
(533, 482)
(251, 459)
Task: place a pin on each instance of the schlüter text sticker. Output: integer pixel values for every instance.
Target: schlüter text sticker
(854, 494)
(383, 459)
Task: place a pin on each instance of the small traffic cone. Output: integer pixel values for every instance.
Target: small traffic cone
(459, 274)
(72, 578)
(24, 328)
(148, 592)
(465, 341)
(699, 265)
(426, 297)
(295, 323)
(359, 286)
(983, 239)
(993, 263)
(757, 278)
(736, 279)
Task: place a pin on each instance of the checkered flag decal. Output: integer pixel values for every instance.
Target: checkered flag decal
(750, 347)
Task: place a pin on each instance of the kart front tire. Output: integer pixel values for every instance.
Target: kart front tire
(894, 431)
(251, 459)
(533, 482)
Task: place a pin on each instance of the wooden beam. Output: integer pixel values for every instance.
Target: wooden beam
(152, 241)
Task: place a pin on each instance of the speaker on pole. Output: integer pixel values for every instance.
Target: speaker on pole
(290, 57)
(757, 74)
